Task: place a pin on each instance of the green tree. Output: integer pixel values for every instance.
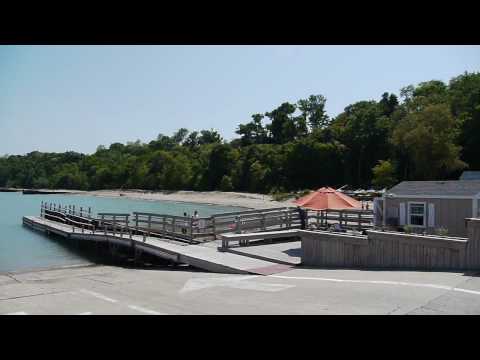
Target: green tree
(179, 136)
(364, 130)
(428, 138)
(388, 104)
(192, 140)
(253, 132)
(209, 137)
(384, 174)
(464, 92)
(313, 110)
(226, 183)
(282, 127)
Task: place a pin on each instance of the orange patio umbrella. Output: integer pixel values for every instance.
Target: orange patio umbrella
(328, 198)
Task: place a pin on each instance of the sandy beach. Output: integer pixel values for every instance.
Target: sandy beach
(247, 200)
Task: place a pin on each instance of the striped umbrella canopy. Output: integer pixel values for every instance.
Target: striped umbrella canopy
(328, 198)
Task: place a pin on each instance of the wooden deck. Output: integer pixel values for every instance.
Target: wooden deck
(189, 240)
(202, 257)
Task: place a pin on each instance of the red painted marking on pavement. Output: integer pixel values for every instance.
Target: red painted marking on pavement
(269, 270)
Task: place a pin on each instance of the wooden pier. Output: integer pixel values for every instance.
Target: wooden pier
(185, 239)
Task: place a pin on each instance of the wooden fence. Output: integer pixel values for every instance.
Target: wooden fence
(390, 250)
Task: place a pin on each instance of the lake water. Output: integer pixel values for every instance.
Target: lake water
(24, 249)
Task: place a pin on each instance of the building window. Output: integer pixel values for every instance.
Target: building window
(416, 214)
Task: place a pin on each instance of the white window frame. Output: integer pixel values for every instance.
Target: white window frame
(410, 203)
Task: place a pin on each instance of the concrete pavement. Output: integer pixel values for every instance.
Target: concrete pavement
(96, 290)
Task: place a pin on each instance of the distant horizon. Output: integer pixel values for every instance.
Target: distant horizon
(75, 98)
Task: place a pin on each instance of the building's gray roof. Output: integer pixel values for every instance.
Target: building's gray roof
(470, 175)
(442, 188)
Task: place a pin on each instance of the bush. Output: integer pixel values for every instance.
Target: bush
(302, 193)
(442, 231)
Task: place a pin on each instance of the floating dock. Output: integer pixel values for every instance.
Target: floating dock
(200, 256)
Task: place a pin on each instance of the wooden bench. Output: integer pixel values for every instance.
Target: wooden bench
(244, 239)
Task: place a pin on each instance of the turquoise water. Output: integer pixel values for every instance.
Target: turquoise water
(23, 249)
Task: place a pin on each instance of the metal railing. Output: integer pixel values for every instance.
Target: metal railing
(68, 215)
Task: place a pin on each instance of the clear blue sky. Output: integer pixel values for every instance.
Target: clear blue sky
(59, 98)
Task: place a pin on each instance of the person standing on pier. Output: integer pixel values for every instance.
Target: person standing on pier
(195, 219)
(184, 228)
(303, 217)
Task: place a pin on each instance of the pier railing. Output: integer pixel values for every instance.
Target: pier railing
(354, 219)
(256, 220)
(194, 230)
(79, 218)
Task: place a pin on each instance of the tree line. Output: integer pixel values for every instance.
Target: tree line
(429, 131)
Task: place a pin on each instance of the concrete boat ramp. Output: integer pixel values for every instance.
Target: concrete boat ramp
(203, 256)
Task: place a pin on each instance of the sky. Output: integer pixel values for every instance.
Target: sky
(74, 98)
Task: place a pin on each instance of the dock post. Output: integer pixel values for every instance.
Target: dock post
(214, 228)
(89, 212)
(81, 212)
(238, 227)
(73, 209)
(136, 223)
(114, 224)
(149, 224)
(191, 229)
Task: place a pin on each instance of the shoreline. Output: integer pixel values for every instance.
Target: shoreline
(245, 200)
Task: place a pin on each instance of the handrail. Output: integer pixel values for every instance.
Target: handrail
(113, 214)
(272, 219)
(167, 215)
(252, 211)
